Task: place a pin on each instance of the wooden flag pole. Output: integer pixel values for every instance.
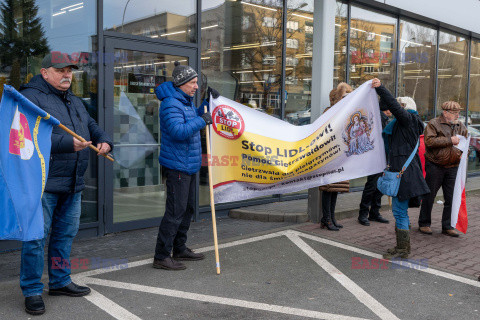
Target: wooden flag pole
(212, 203)
(83, 140)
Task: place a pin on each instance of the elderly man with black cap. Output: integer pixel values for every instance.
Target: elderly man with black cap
(181, 158)
(441, 164)
(61, 200)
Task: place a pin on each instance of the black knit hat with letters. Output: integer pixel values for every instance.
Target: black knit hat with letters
(182, 74)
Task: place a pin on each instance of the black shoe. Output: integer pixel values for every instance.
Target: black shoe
(71, 290)
(378, 218)
(168, 264)
(188, 255)
(329, 226)
(363, 221)
(34, 305)
(336, 224)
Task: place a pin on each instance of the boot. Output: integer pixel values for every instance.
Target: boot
(402, 248)
(328, 225)
(392, 250)
(334, 221)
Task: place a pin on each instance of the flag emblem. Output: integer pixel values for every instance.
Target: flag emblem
(20, 142)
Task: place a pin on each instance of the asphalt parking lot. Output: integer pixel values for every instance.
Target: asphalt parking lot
(281, 274)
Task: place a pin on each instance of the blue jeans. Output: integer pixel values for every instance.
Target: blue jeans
(400, 212)
(61, 212)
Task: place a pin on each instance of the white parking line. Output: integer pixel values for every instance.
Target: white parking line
(417, 267)
(205, 249)
(296, 237)
(348, 284)
(110, 307)
(214, 299)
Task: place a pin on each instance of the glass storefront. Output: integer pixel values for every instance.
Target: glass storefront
(416, 66)
(340, 54)
(242, 51)
(242, 56)
(452, 71)
(31, 29)
(139, 189)
(298, 62)
(372, 47)
(157, 19)
(474, 108)
(256, 52)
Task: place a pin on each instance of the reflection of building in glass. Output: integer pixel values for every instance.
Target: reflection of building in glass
(164, 25)
(372, 51)
(247, 44)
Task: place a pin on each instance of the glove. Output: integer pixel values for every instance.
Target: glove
(213, 92)
(207, 117)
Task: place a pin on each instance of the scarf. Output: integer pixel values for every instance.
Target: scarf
(388, 131)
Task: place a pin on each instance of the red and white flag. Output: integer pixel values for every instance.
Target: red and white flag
(20, 137)
(459, 218)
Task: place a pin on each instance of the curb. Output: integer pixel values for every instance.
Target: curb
(300, 217)
(297, 217)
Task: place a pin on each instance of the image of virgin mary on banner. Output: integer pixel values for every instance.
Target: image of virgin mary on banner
(357, 134)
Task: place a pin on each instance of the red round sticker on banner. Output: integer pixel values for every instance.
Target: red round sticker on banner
(227, 122)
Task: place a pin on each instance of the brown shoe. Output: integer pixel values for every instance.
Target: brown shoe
(168, 264)
(425, 230)
(451, 233)
(188, 255)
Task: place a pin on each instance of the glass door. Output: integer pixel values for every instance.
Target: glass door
(137, 189)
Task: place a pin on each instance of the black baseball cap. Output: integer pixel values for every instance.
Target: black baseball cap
(58, 60)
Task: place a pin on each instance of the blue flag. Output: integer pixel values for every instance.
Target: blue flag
(25, 142)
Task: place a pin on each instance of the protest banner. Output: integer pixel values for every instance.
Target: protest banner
(254, 154)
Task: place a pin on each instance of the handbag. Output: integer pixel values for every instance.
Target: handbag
(389, 182)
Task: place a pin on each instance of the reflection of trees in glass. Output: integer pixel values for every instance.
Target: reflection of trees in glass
(21, 36)
(417, 66)
(371, 51)
(474, 99)
(452, 67)
(261, 34)
(362, 51)
(340, 59)
(247, 41)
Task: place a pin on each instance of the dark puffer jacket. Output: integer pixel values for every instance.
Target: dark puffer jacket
(180, 125)
(405, 134)
(67, 167)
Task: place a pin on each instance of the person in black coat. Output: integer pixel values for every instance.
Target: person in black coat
(401, 136)
(61, 200)
(371, 201)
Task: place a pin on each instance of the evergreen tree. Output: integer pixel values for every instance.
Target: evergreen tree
(21, 36)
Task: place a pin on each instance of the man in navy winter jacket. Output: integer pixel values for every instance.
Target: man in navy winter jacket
(181, 158)
(61, 200)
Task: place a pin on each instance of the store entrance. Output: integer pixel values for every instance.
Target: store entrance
(135, 189)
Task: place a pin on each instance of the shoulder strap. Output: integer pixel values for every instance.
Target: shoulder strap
(411, 157)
